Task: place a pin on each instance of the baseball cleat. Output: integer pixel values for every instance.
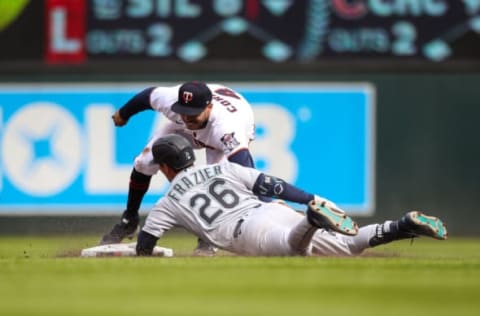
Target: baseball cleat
(321, 216)
(419, 224)
(126, 229)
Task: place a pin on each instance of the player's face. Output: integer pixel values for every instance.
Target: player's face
(199, 121)
(168, 172)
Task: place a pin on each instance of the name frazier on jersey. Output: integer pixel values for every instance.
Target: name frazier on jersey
(198, 177)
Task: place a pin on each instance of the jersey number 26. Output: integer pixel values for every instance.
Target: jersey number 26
(227, 198)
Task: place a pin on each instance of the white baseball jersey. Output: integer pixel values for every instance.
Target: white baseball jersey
(229, 129)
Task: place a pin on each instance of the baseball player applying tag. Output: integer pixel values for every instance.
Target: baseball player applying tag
(211, 116)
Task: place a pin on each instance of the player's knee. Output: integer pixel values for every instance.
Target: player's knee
(145, 243)
(143, 165)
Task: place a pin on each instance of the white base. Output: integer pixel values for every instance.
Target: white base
(122, 250)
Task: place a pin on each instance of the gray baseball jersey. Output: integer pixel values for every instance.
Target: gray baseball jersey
(207, 201)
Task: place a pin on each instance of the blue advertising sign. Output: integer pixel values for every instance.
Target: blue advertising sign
(61, 154)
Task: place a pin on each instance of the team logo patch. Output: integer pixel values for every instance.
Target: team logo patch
(230, 141)
(187, 96)
(278, 189)
(187, 155)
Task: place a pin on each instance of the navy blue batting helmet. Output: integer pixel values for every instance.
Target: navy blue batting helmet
(174, 150)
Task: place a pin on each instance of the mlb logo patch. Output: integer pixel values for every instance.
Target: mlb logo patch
(230, 141)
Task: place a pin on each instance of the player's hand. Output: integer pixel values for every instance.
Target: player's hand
(328, 203)
(118, 120)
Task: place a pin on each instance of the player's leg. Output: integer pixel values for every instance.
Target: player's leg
(328, 243)
(276, 230)
(411, 225)
(291, 233)
(266, 231)
(282, 231)
(137, 188)
(321, 215)
(140, 177)
(293, 228)
(336, 231)
(300, 237)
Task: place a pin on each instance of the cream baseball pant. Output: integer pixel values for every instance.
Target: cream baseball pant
(274, 229)
(143, 161)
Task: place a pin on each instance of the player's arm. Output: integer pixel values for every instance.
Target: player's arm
(271, 186)
(244, 158)
(160, 220)
(138, 103)
(145, 243)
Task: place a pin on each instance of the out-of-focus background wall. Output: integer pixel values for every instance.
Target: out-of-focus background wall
(372, 103)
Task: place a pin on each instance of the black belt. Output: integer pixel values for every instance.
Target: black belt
(238, 228)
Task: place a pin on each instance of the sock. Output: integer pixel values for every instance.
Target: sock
(403, 226)
(139, 184)
(385, 233)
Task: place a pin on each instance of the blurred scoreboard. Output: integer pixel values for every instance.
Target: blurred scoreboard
(280, 30)
(273, 31)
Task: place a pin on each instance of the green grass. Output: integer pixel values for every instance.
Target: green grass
(44, 276)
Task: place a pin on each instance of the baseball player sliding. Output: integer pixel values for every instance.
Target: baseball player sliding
(219, 203)
(213, 117)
